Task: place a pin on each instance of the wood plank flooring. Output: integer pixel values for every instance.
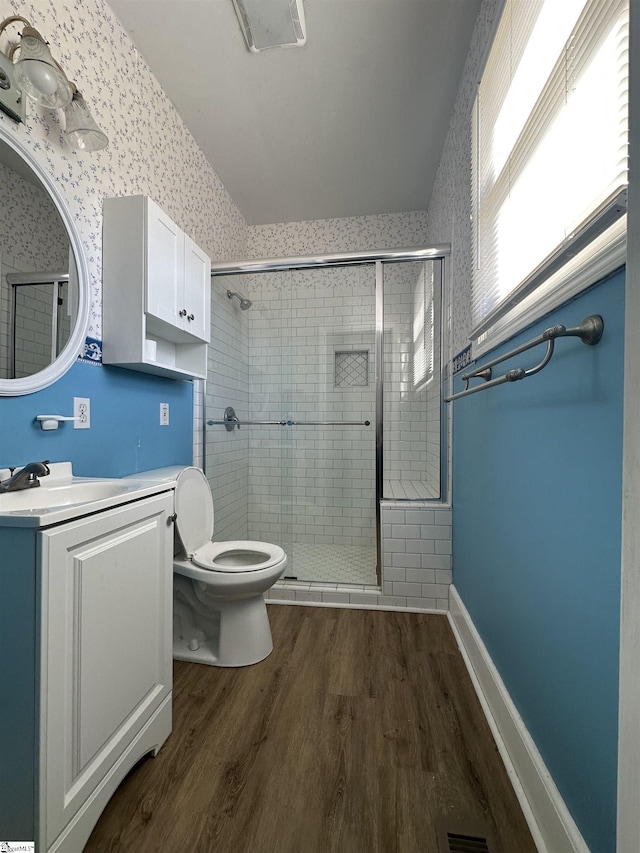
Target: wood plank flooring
(360, 733)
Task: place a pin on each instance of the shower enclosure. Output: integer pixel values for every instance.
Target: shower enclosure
(323, 399)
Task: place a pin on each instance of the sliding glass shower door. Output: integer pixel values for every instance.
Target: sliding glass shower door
(307, 420)
(333, 377)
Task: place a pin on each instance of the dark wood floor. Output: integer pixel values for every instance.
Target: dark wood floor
(359, 734)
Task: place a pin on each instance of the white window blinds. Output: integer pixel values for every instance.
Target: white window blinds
(550, 143)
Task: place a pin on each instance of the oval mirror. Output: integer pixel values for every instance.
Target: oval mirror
(44, 291)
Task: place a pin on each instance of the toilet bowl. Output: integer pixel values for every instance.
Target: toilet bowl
(219, 613)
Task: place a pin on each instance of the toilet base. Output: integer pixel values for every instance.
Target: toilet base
(228, 633)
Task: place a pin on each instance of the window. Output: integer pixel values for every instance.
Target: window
(423, 326)
(549, 155)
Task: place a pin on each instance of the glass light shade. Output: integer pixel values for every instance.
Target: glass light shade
(82, 130)
(38, 75)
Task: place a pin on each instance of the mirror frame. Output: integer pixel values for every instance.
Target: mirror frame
(57, 369)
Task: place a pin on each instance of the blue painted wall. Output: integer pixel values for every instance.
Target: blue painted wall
(125, 435)
(536, 548)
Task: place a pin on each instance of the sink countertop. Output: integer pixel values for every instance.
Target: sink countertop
(125, 490)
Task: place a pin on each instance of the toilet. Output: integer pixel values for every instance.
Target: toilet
(219, 613)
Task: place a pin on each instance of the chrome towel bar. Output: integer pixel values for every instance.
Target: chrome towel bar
(589, 332)
(231, 422)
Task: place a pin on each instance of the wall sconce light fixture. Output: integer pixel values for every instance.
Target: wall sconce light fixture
(81, 129)
(36, 73)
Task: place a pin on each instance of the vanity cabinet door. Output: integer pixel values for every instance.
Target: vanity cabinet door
(106, 662)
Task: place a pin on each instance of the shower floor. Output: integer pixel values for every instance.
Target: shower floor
(348, 564)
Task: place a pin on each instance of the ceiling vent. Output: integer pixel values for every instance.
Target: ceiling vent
(271, 23)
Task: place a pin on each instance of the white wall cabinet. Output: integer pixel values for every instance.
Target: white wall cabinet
(97, 647)
(156, 294)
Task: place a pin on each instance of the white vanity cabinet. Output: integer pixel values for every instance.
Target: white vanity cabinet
(156, 291)
(86, 612)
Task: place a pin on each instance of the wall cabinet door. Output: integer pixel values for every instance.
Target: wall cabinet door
(106, 646)
(178, 276)
(156, 298)
(197, 290)
(165, 267)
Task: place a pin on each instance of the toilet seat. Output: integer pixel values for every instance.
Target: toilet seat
(237, 556)
(195, 524)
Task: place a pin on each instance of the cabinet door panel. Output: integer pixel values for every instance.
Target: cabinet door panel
(165, 266)
(197, 290)
(106, 664)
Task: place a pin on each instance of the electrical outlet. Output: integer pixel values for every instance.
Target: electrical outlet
(164, 414)
(82, 412)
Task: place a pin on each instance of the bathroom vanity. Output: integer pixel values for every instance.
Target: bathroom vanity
(85, 648)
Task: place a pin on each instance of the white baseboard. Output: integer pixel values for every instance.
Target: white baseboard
(552, 827)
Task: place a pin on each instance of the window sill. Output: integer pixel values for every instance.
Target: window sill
(604, 255)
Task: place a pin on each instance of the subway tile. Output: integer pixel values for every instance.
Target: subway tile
(420, 546)
(308, 595)
(394, 546)
(435, 531)
(437, 561)
(435, 590)
(363, 598)
(283, 595)
(336, 597)
(392, 601)
(421, 575)
(406, 589)
(391, 573)
(443, 516)
(419, 516)
(406, 560)
(405, 531)
(422, 603)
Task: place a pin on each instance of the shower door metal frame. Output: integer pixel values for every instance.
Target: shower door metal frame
(438, 252)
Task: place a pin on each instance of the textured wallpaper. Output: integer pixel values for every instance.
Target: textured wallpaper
(354, 234)
(449, 213)
(32, 235)
(150, 150)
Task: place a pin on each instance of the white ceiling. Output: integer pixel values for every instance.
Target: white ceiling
(351, 124)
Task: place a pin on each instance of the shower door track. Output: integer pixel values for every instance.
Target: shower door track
(340, 259)
(343, 259)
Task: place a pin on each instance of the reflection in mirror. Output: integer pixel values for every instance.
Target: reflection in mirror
(38, 278)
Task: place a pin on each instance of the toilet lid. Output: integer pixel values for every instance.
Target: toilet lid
(194, 509)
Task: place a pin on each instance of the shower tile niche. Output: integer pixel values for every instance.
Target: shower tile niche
(351, 368)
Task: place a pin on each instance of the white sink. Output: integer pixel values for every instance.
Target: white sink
(60, 494)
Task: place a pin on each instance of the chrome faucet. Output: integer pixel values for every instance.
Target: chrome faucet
(27, 477)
